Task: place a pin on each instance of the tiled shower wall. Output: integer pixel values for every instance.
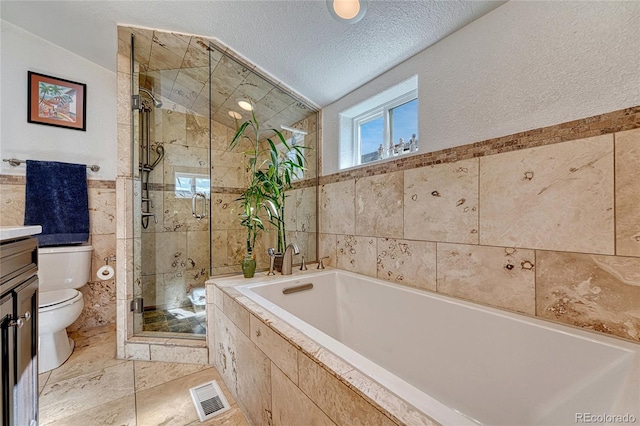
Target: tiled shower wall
(545, 222)
(99, 296)
(175, 251)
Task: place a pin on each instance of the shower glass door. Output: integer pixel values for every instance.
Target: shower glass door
(172, 182)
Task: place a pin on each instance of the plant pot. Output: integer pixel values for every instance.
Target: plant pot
(248, 265)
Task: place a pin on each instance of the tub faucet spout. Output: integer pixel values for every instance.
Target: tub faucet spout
(287, 258)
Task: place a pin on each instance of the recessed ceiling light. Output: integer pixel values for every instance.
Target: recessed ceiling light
(245, 104)
(347, 10)
(235, 115)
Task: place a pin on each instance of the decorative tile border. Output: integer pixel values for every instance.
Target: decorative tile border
(611, 122)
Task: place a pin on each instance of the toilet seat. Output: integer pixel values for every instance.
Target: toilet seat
(56, 299)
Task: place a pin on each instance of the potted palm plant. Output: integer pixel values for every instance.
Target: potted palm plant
(272, 171)
(251, 202)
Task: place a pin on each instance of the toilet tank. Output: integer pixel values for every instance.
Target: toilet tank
(62, 267)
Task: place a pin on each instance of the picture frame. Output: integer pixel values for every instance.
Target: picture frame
(54, 101)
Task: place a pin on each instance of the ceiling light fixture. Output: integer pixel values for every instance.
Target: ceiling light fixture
(235, 115)
(245, 104)
(350, 11)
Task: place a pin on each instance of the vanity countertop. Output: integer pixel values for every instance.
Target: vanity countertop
(10, 232)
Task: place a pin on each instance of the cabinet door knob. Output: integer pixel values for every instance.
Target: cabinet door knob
(17, 323)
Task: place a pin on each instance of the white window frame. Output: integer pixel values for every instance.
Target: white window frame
(350, 119)
(373, 114)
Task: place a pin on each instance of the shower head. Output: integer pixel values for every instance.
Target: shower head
(156, 103)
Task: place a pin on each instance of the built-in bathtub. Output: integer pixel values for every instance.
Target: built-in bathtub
(457, 362)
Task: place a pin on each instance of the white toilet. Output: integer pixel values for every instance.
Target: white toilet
(61, 270)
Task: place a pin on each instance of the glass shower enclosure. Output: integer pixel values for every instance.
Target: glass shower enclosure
(187, 182)
(171, 168)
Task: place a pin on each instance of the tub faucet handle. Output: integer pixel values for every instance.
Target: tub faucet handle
(272, 259)
(303, 265)
(321, 262)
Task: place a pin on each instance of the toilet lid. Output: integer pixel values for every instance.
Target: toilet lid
(55, 297)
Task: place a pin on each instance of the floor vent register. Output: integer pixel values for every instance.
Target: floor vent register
(209, 400)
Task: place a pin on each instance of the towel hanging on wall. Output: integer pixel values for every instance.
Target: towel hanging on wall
(56, 197)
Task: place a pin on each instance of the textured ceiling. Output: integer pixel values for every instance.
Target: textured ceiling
(295, 41)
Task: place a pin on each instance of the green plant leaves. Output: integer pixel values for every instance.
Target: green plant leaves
(272, 172)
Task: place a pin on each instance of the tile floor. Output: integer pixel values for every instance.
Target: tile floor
(93, 388)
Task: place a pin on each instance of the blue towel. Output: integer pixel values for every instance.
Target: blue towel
(56, 197)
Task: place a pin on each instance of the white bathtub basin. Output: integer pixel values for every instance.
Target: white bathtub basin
(458, 362)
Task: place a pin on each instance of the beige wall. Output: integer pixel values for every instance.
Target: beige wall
(99, 296)
(22, 52)
(524, 65)
(546, 229)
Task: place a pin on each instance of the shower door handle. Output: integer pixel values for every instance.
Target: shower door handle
(203, 211)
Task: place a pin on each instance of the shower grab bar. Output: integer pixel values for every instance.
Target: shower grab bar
(203, 211)
(295, 289)
(15, 162)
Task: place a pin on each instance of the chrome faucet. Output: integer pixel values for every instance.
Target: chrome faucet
(287, 258)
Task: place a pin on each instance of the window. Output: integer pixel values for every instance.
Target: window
(381, 127)
(187, 184)
(371, 136)
(297, 138)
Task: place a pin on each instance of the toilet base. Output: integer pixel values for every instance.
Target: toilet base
(53, 350)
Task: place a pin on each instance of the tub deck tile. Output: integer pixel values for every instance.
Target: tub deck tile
(236, 313)
(336, 399)
(281, 352)
(404, 413)
(291, 406)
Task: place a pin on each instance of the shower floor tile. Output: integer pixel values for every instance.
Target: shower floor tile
(176, 320)
(93, 388)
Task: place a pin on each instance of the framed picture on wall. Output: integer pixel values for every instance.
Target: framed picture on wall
(56, 102)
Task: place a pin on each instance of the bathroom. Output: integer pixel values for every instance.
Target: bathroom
(514, 114)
